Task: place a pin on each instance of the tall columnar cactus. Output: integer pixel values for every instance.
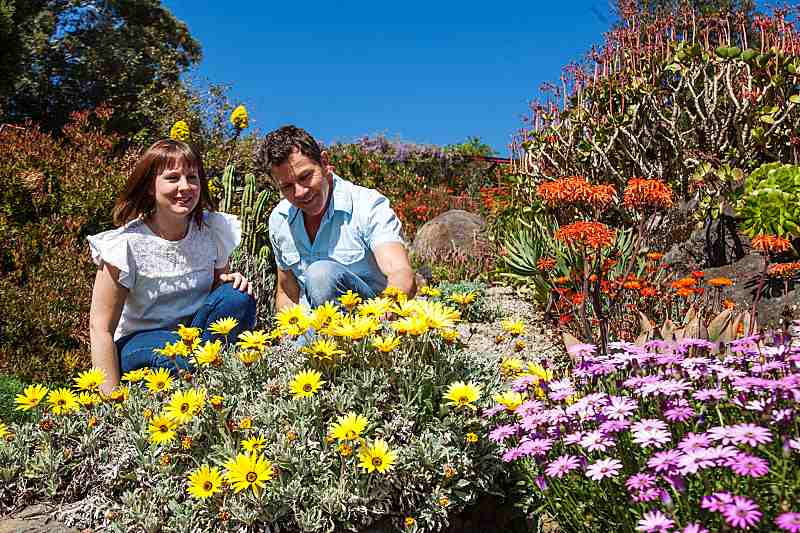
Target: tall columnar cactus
(252, 212)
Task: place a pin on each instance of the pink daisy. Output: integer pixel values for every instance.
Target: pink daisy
(654, 521)
(741, 512)
(789, 522)
(603, 468)
(748, 465)
(562, 466)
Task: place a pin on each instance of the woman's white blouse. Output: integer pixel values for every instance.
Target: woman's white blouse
(167, 280)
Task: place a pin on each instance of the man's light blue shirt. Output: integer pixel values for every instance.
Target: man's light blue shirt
(356, 221)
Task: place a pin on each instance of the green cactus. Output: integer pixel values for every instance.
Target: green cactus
(252, 212)
(771, 202)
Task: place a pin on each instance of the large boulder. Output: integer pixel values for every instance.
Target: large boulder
(745, 274)
(454, 230)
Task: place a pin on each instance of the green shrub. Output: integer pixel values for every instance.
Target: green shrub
(771, 201)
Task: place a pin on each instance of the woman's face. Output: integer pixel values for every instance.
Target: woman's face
(177, 190)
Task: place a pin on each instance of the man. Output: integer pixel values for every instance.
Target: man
(328, 234)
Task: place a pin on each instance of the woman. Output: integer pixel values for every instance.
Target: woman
(166, 264)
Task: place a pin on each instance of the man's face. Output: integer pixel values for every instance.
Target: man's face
(306, 184)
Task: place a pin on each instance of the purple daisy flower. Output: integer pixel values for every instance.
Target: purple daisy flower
(573, 438)
(562, 466)
(654, 521)
(694, 460)
(619, 407)
(666, 461)
(614, 426)
(596, 441)
(501, 433)
(640, 481)
(512, 454)
(650, 432)
(694, 441)
(603, 468)
(741, 512)
(646, 495)
(723, 434)
(750, 434)
(744, 464)
(581, 350)
(705, 395)
(680, 413)
(716, 502)
(535, 447)
(789, 522)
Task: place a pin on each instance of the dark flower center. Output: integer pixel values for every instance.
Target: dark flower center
(307, 388)
(377, 461)
(207, 486)
(251, 477)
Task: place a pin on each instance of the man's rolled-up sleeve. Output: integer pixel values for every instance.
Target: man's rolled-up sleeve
(382, 225)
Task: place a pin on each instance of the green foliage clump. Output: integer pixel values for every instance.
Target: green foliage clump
(106, 458)
(771, 201)
(476, 311)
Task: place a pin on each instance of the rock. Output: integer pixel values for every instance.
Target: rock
(691, 255)
(34, 519)
(745, 275)
(454, 230)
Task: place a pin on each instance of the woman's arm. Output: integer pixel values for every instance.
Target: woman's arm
(108, 297)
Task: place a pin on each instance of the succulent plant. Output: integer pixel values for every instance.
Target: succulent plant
(771, 201)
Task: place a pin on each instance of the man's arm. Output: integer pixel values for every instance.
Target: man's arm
(287, 290)
(392, 259)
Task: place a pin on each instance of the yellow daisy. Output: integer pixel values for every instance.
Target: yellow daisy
(436, 315)
(535, 369)
(187, 334)
(395, 294)
(377, 457)
(223, 326)
(323, 315)
(323, 350)
(204, 482)
(90, 380)
(510, 399)
(248, 470)
(448, 335)
(4, 432)
(511, 366)
(306, 383)
(385, 344)
(161, 429)
(350, 299)
(375, 307)
(256, 443)
(62, 401)
(462, 394)
(293, 320)
(248, 357)
(471, 438)
(253, 340)
(463, 298)
(181, 407)
(134, 376)
(30, 397)
(119, 394)
(427, 290)
(209, 354)
(159, 380)
(348, 427)
(89, 399)
(353, 328)
(514, 327)
(413, 325)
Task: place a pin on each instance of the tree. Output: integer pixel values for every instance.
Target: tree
(68, 55)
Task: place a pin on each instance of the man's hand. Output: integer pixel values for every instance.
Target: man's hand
(392, 259)
(239, 282)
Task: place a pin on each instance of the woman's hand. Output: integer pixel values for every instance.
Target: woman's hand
(239, 282)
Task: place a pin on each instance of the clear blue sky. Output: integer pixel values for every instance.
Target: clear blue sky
(430, 72)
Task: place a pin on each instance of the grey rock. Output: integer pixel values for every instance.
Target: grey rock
(453, 230)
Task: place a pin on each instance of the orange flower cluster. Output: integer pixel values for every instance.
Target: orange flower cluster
(654, 256)
(545, 264)
(720, 282)
(591, 234)
(684, 283)
(642, 194)
(770, 243)
(784, 270)
(574, 190)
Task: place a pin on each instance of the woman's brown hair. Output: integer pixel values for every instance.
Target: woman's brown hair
(137, 199)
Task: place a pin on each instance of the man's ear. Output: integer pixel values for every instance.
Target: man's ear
(326, 163)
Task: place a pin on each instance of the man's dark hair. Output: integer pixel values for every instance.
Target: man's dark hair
(276, 147)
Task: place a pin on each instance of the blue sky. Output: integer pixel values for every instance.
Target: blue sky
(429, 72)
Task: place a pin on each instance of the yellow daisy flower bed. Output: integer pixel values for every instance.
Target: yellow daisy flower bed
(357, 413)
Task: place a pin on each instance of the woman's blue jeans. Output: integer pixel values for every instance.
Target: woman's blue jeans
(137, 349)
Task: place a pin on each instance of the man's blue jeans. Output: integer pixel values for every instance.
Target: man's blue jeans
(327, 280)
(136, 350)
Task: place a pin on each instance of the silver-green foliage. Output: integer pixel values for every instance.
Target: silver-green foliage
(127, 484)
(771, 201)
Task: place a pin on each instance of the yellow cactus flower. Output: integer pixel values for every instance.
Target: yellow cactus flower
(179, 131)
(293, 320)
(348, 427)
(62, 401)
(210, 353)
(350, 299)
(239, 118)
(249, 471)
